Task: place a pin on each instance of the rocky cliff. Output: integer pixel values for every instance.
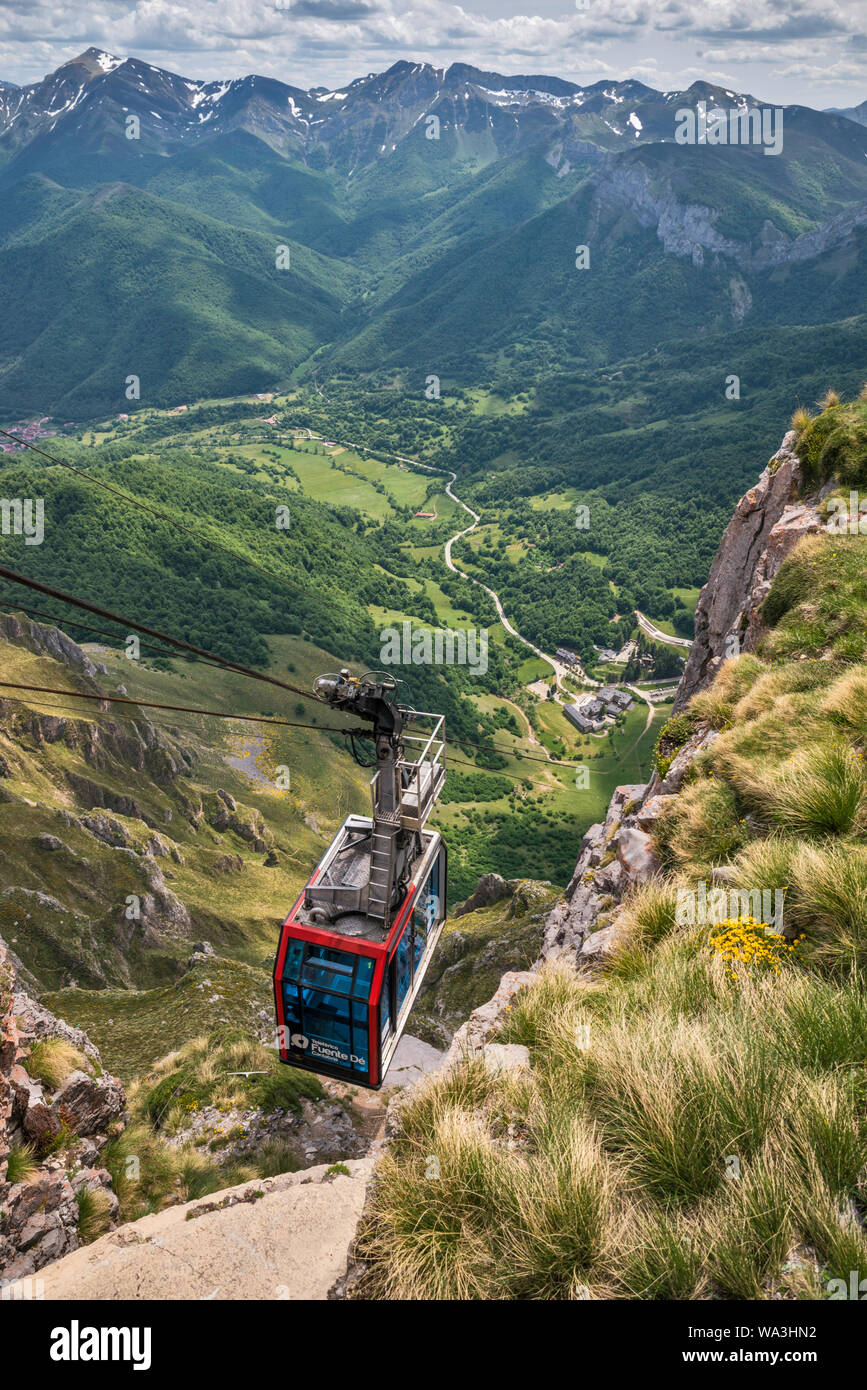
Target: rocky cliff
(689, 229)
(768, 522)
(58, 1110)
(618, 854)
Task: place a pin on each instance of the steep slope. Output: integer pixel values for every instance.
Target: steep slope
(140, 285)
(670, 1105)
(190, 567)
(58, 1110)
(114, 831)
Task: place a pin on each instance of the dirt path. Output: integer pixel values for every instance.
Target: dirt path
(283, 1238)
(531, 733)
(651, 710)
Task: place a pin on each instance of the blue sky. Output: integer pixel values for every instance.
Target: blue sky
(785, 51)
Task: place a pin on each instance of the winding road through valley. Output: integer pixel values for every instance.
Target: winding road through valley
(658, 635)
(561, 670)
(559, 667)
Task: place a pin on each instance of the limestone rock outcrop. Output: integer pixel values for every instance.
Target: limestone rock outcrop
(491, 888)
(690, 229)
(52, 1136)
(766, 525)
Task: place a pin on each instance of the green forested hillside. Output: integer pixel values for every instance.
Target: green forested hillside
(189, 304)
(315, 577)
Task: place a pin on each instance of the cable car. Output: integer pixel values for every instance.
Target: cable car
(355, 947)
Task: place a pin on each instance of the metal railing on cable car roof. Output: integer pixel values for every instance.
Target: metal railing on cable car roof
(426, 774)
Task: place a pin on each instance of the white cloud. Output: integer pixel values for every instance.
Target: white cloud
(308, 42)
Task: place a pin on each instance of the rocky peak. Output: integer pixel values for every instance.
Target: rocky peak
(767, 524)
(44, 640)
(94, 61)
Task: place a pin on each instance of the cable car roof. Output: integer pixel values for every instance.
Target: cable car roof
(345, 866)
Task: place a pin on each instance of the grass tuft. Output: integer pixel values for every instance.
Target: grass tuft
(818, 791)
(53, 1060)
(94, 1213)
(21, 1163)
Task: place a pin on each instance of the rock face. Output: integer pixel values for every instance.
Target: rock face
(37, 1022)
(491, 888)
(273, 1238)
(224, 813)
(661, 787)
(793, 525)
(475, 1035)
(39, 1210)
(87, 1105)
(635, 854)
(9, 1040)
(40, 1225)
(689, 229)
(614, 854)
(766, 526)
(48, 641)
(503, 933)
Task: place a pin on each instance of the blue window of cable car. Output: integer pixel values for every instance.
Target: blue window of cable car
(385, 1006)
(419, 930)
(326, 968)
(433, 884)
(326, 1020)
(292, 963)
(426, 913)
(291, 1009)
(403, 966)
(363, 977)
(328, 1005)
(360, 1035)
(291, 973)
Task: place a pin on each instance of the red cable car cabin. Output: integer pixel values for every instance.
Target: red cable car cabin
(344, 991)
(355, 947)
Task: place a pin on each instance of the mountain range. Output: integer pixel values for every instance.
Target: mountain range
(348, 129)
(428, 220)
